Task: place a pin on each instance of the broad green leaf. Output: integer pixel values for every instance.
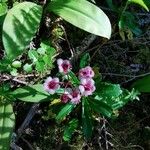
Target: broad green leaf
(69, 129)
(139, 2)
(19, 28)
(118, 102)
(142, 85)
(85, 59)
(108, 90)
(84, 15)
(7, 121)
(33, 93)
(66, 110)
(100, 107)
(3, 9)
(86, 119)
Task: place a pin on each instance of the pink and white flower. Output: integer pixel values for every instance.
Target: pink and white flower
(64, 66)
(86, 72)
(66, 96)
(76, 97)
(87, 86)
(51, 85)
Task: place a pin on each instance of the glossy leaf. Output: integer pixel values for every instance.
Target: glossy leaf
(73, 78)
(3, 9)
(7, 121)
(85, 59)
(69, 129)
(19, 28)
(66, 110)
(100, 107)
(86, 119)
(33, 93)
(84, 15)
(142, 85)
(108, 90)
(139, 2)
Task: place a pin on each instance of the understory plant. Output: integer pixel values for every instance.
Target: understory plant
(80, 95)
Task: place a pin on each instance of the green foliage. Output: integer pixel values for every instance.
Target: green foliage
(114, 96)
(100, 107)
(108, 90)
(3, 8)
(33, 93)
(139, 2)
(73, 78)
(84, 61)
(69, 129)
(142, 85)
(7, 121)
(20, 25)
(86, 119)
(42, 58)
(65, 111)
(89, 18)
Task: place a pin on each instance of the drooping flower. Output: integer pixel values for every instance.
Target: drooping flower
(87, 86)
(66, 96)
(64, 66)
(86, 72)
(51, 85)
(76, 97)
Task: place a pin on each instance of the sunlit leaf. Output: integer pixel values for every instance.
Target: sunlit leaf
(82, 14)
(33, 93)
(7, 121)
(19, 28)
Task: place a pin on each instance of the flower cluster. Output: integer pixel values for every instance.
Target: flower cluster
(71, 93)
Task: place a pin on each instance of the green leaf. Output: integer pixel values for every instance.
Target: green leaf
(66, 110)
(108, 90)
(86, 119)
(142, 85)
(27, 68)
(33, 93)
(7, 121)
(14, 72)
(85, 59)
(139, 2)
(19, 28)
(84, 15)
(69, 130)
(100, 107)
(33, 55)
(16, 64)
(40, 66)
(3, 9)
(73, 78)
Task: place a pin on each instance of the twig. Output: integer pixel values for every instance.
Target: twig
(27, 120)
(15, 147)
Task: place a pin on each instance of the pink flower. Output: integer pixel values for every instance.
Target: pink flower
(66, 96)
(76, 97)
(64, 66)
(51, 85)
(87, 86)
(86, 72)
